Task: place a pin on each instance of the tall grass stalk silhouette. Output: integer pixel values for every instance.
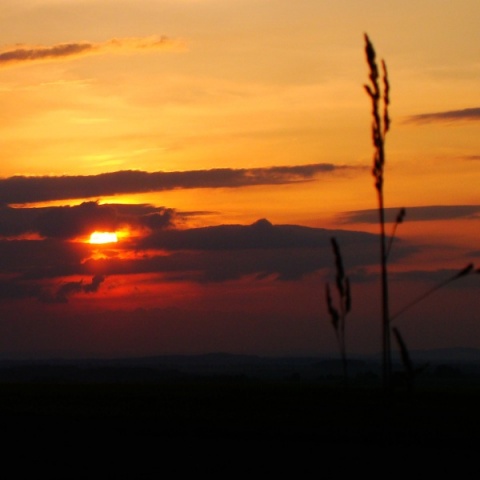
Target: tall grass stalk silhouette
(338, 316)
(380, 128)
(378, 89)
(380, 101)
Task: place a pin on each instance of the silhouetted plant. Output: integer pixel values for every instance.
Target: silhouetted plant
(380, 101)
(405, 357)
(380, 128)
(400, 216)
(469, 269)
(410, 371)
(338, 316)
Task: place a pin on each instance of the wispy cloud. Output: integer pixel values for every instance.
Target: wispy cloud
(426, 213)
(20, 189)
(466, 114)
(29, 53)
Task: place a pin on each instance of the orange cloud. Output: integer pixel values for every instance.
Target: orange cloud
(25, 53)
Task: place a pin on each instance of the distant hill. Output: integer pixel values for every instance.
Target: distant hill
(447, 355)
(225, 365)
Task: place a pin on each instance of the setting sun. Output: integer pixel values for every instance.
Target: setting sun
(103, 237)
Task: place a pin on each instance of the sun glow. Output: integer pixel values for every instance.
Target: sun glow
(103, 237)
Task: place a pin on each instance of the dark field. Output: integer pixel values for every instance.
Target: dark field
(120, 403)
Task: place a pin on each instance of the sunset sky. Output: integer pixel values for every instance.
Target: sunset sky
(225, 142)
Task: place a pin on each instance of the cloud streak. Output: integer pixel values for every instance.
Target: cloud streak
(415, 214)
(466, 114)
(21, 189)
(26, 53)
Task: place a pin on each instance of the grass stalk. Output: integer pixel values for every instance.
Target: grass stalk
(405, 357)
(469, 269)
(338, 315)
(400, 216)
(380, 128)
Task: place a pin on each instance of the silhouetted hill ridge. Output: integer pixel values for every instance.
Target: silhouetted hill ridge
(446, 361)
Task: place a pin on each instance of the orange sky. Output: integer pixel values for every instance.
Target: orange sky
(268, 94)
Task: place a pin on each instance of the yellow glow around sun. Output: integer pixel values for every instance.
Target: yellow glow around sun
(103, 237)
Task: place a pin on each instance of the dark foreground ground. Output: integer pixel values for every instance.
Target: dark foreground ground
(118, 404)
(234, 410)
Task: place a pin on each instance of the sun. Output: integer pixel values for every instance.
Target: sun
(103, 237)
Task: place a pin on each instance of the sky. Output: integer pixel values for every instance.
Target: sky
(225, 142)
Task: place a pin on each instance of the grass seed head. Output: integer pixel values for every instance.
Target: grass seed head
(331, 309)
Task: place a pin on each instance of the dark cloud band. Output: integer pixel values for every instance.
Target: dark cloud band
(42, 53)
(20, 189)
(69, 222)
(433, 212)
(469, 114)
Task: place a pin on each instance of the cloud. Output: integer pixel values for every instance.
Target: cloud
(435, 277)
(33, 259)
(62, 293)
(19, 288)
(20, 189)
(414, 214)
(469, 114)
(230, 252)
(66, 290)
(94, 285)
(209, 254)
(71, 222)
(259, 235)
(25, 53)
(68, 222)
